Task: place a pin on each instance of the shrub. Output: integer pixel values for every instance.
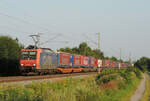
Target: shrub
(127, 76)
(138, 73)
(106, 79)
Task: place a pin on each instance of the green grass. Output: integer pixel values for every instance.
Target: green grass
(95, 88)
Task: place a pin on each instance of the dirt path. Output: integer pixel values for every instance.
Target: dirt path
(140, 91)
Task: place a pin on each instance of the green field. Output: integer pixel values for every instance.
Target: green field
(110, 85)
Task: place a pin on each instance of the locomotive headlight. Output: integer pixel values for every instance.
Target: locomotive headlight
(21, 64)
(34, 64)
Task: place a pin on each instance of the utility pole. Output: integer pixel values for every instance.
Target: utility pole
(98, 40)
(99, 62)
(36, 39)
(120, 53)
(130, 57)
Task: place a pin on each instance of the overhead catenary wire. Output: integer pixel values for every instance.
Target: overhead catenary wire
(89, 40)
(26, 22)
(23, 21)
(14, 29)
(95, 43)
(49, 40)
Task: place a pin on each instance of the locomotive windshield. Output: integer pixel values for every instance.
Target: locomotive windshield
(28, 55)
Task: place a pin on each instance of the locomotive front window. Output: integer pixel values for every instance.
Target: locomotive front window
(25, 55)
(28, 55)
(32, 55)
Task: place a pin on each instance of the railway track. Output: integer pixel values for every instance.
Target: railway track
(32, 78)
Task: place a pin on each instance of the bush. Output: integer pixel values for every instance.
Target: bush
(127, 76)
(112, 74)
(138, 73)
(106, 79)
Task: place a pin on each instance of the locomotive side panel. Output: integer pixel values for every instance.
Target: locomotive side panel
(48, 60)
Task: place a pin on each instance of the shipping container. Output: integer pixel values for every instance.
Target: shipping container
(76, 60)
(84, 61)
(113, 64)
(124, 65)
(108, 63)
(63, 59)
(96, 63)
(117, 65)
(93, 62)
(100, 63)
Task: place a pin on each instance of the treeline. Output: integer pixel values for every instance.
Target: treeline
(9, 55)
(143, 64)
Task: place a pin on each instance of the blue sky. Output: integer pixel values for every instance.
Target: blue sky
(122, 23)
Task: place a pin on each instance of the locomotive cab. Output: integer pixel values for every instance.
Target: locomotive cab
(28, 59)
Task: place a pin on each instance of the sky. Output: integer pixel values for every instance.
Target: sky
(123, 24)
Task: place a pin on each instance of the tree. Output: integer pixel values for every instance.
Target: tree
(62, 50)
(75, 50)
(143, 63)
(98, 54)
(106, 58)
(84, 48)
(114, 58)
(9, 55)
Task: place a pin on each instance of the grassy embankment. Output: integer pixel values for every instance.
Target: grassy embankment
(146, 96)
(111, 85)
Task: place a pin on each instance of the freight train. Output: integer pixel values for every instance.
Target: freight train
(46, 61)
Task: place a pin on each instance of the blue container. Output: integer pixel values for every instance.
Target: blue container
(71, 60)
